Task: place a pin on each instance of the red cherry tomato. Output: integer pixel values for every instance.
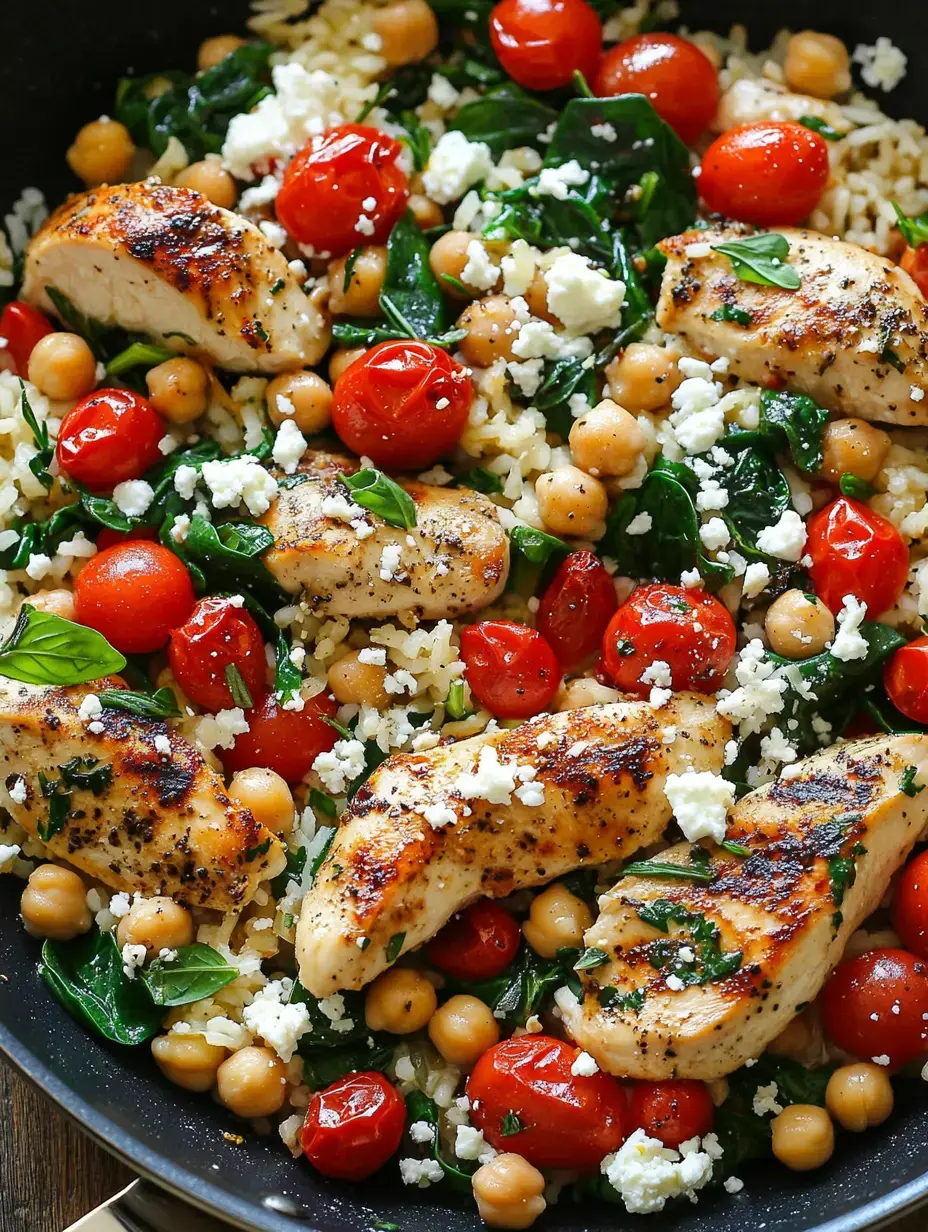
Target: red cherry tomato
(108, 437)
(910, 906)
(404, 404)
(217, 635)
(877, 1006)
(542, 43)
(915, 263)
(353, 1126)
(576, 608)
(288, 741)
(511, 669)
(108, 538)
(134, 594)
(768, 173)
(477, 943)
(21, 327)
(570, 1121)
(673, 1111)
(679, 80)
(689, 630)
(339, 186)
(905, 678)
(856, 552)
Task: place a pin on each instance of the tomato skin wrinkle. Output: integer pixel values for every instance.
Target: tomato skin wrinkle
(876, 1005)
(22, 326)
(353, 1126)
(576, 608)
(477, 943)
(856, 552)
(672, 1111)
(108, 437)
(768, 173)
(511, 669)
(542, 43)
(678, 79)
(910, 906)
(288, 741)
(217, 633)
(905, 678)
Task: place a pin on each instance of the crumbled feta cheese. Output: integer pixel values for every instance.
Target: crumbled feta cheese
(438, 815)
(421, 1172)
(163, 745)
(365, 225)
(442, 93)
(469, 1143)
(915, 393)
(756, 577)
(582, 297)
(691, 579)
(219, 730)
(765, 1100)
(732, 1185)
(390, 559)
(697, 250)
(557, 181)
(647, 1174)
(235, 481)
(422, 1131)
(883, 65)
(674, 983)
(519, 268)
(787, 539)
(18, 792)
(700, 802)
(493, 780)
(760, 693)
(333, 1007)
(289, 446)
(657, 673)
(38, 566)
(711, 495)
(340, 766)
(848, 643)
(90, 708)
(133, 497)
(8, 853)
(185, 481)
(697, 419)
(455, 165)
(639, 525)
(133, 957)
(376, 656)
(584, 1066)
(714, 534)
(479, 272)
(278, 1021)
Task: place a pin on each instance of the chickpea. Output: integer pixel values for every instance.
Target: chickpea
(157, 923)
(571, 502)
(63, 367)
(817, 64)
(426, 212)
(102, 152)
(803, 1137)
(510, 1192)
(308, 394)
(356, 683)
(266, 795)
(408, 31)
(58, 602)
(643, 377)
(447, 258)
(209, 178)
(178, 389)
(556, 919)
(342, 359)
(361, 298)
(537, 298)
(214, 49)
(188, 1060)
(54, 904)
(489, 331)
(853, 446)
(400, 1001)
(252, 1082)
(607, 440)
(463, 1029)
(798, 626)
(859, 1095)
(795, 1038)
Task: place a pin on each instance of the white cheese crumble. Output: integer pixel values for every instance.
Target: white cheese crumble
(18, 792)
(493, 780)
(289, 446)
(582, 297)
(469, 1143)
(584, 1066)
(760, 692)
(657, 673)
(163, 745)
(219, 730)
(848, 643)
(390, 559)
(340, 766)
(236, 481)
(557, 181)
(421, 1172)
(455, 165)
(714, 534)
(438, 815)
(786, 539)
(479, 271)
(639, 525)
(133, 957)
(279, 1022)
(647, 1174)
(756, 577)
(765, 1100)
(700, 802)
(422, 1132)
(90, 708)
(133, 497)
(883, 64)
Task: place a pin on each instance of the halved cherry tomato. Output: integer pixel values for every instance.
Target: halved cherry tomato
(218, 635)
(570, 1121)
(477, 943)
(21, 327)
(353, 1126)
(108, 537)
(768, 173)
(109, 436)
(542, 43)
(288, 741)
(877, 1006)
(915, 263)
(856, 552)
(678, 79)
(689, 630)
(910, 906)
(511, 669)
(403, 404)
(672, 1111)
(344, 188)
(905, 678)
(577, 607)
(134, 594)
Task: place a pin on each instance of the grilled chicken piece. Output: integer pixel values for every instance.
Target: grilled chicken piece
(454, 560)
(397, 868)
(854, 336)
(165, 262)
(748, 101)
(781, 909)
(160, 825)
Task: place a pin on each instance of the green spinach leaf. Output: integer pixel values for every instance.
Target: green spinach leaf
(410, 298)
(800, 420)
(198, 971)
(505, 117)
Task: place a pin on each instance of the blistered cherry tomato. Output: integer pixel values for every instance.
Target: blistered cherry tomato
(576, 608)
(21, 327)
(542, 43)
(343, 189)
(570, 1121)
(353, 1126)
(288, 741)
(856, 552)
(672, 1111)
(403, 404)
(910, 906)
(134, 593)
(108, 537)
(109, 436)
(768, 173)
(877, 1006)
(905, 678)
(679, 80)
(511, 670)
(477, 943)
(915, 263)
(218, 635)
(689, 630)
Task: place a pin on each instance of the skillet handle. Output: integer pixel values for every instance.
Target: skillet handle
(143, 1207)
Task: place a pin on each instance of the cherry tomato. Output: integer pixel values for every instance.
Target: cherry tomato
(353, 1126)
(477, 943)
(403, 404)
(860, 726)
(910, 906)
(768, 173)
(542, 43)
(343, 189)
(679, 80)
(571, 1121)
(877, 1006)
(109, 436)
(577, 607)
(108, 538)
(856, 552)
(905, 678)
(288, 741)
(672, 1111)
(915, 263)
(134, 593)
(511, 669)
(689, 630)
(218, 635)
(21, 327)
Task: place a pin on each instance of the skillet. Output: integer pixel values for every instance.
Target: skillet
(62, 59)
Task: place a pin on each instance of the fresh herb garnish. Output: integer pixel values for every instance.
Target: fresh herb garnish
(610, 996)
(822, 127)
(735, 849)
(46, 451)
(535, 545)
(907, 784)
(196, 972)
(319, 802)
(45, 649)
(142, 355)
(728, 312)
(662, 868)
(394, 947)
(590, 958)
(762, 259)
(455, 707)
(480, 480)
(237, 687)
(377, 492)
(505, 117)
(162, 704)
(914, 230)
(512, 1125)
(855, 487)
(709, 963)
(350, 262)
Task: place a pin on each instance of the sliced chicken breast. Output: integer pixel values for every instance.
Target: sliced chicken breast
(749, 101)
(159, 823)
(854, 336)
(164, 261)
(824, 845)
(430, 832)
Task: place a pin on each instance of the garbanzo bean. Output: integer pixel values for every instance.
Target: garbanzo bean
(509, 1192)
(58, 602)
(607, 440)
(214, 49)
(209, 178)
(252, 1082)
(571, 502)
(537, 298)
(817, 64)
(798, 626)
(63, 367)
(342, 359)
(795, 1038)
(178, 389)
(859, 1095)
(355, 683)
(157, 923)
(447, 258)
(187, 1060)
(267, 796)
(102, 152)
(463, 1029)
(803, 1137)
(308, 395)
(556, 919)
(426, 212)
(408, 31)
(643, 377)
(489, 330)
(853, 446)
(54, 904)
(400, 1001)
(361, 297)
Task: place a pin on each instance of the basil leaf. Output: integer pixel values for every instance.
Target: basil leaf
(589, 959)
(138, 355)
(162, 704)
(373, 490)
(800, 421)
(45, 649)
(410, 297)
(914, 230)
(822, 127)
(505, 117)
(855, 487)
(535, 545)
(198, 971)
(728, 312)
(762, 259)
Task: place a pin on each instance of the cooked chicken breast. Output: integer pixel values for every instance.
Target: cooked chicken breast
(749, 100)
(158, 823)
(430, 832)
(165, 262)
(783, 916)
(854, 336)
